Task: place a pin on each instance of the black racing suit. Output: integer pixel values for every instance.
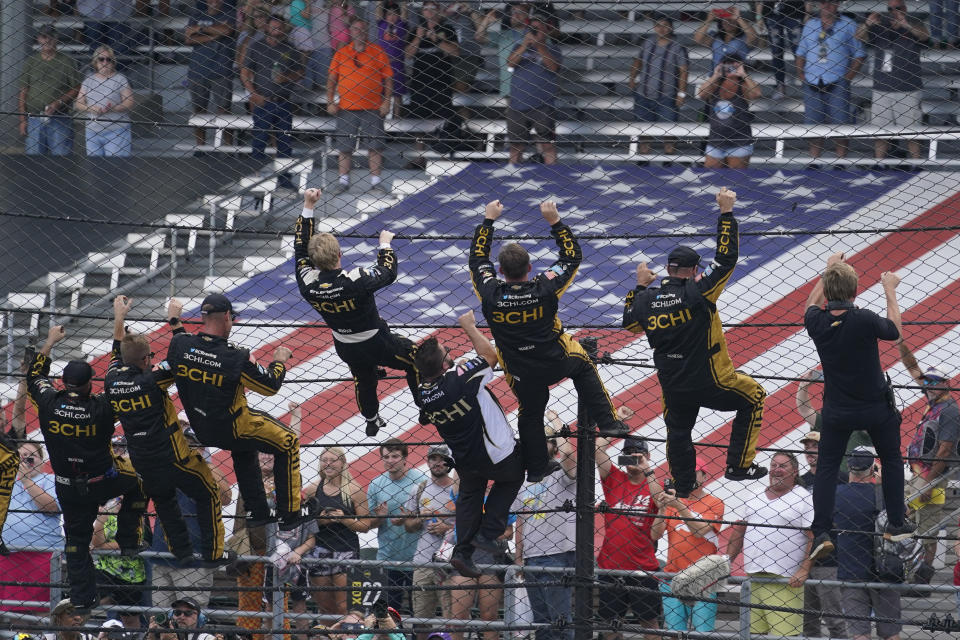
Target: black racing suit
(470, 420)
(346, 301)
(689, 350)
(161, 455)
(77, 430)
(9, 465)
(212, 375)
(533, 348)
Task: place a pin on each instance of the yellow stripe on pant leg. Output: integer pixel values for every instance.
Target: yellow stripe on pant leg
(196, 468)
(749, 388)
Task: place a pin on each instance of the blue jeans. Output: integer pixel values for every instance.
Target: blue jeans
(278, 118)
(663, 109)
(944, 20)
(827, 105)
(112, 142)
(48, 136)
(698, 616)
(783, 37)
(549, 603)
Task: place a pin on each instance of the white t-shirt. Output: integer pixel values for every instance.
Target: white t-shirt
(773, 550)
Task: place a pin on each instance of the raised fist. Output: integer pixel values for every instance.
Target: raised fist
(493, 210)
(386, 236)
(726, 199)
(549, 212)
(467, 320)
(282, 354)
(311, 197)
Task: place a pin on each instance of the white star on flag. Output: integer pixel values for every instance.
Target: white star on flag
(459, 196)
(797, 192)
(778, 179)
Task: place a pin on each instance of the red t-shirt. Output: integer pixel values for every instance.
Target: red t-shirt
(626, 542)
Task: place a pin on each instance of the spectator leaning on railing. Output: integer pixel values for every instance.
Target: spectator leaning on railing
(856, 517)
(48, 86)
(778, 551)
(34, 522)
(688, 540)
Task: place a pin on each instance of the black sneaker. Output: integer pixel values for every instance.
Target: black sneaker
(618, 429)
(552, 467)
(293, 519)
(753, 472)
(822, 547)
(373, 426)
(185, 561)
(491, 546)
(897, 533)
(84, 609)
(133, 552)
(681, 492)
(3, 549)
(227, 558)
(260, 521)
(463, 562)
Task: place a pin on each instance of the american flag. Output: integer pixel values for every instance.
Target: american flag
(882, 221)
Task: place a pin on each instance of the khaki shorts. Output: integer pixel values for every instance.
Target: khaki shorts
(425, 602)
(775, 623)
(895, 109)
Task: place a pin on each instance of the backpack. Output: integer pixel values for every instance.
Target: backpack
(893, 561)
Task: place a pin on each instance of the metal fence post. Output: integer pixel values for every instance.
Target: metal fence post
(56, 594)
(9, 318)
(212, 242)
(277, 605)
(745, 610)
(173, 261)
(586, 477)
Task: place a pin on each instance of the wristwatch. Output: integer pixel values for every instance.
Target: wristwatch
(173, 321)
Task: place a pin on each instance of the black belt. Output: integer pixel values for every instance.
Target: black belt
(83, 479)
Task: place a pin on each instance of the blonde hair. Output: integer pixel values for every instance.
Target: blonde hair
(324, 251)
(347, 484)
(134, 347)
(840, 282)
(102, 49)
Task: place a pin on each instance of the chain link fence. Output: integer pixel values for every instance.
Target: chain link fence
(162, 149)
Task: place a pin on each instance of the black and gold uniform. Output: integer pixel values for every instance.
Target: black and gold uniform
(212, 376)
(689, 350)
(361, 337)
(161, 455)
(531, 344)
(9, 465)
(77, 427)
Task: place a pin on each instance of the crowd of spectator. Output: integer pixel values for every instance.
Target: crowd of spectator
(412, 512)
(436, 50)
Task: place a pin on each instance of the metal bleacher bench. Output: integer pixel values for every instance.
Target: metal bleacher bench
(301, 124)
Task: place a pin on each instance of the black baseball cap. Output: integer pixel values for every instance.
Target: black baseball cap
(77, 373)
(635, 444)
(216, 303)
(187, 601)
(48, 31)
(683, 256)
(860, 459)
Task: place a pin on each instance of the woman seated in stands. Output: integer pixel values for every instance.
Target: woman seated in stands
(727, 94)
(734, 34)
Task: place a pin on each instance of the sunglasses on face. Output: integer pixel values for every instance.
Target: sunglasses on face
(105, 59)
(29, 459)
(183, 612)
(927, 382)
(897, 8)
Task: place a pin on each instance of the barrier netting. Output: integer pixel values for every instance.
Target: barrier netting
(158, 149)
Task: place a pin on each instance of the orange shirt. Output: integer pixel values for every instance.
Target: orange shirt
(360, 76)
(684, 548)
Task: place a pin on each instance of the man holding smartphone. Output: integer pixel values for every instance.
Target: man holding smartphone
(631, 493)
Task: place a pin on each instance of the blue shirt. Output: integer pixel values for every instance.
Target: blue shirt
(827, 54)
(856, 511)
(188, 509)
(212, 59)
(719, 48)
(533, 85)
(32, 529)
(394, 542)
